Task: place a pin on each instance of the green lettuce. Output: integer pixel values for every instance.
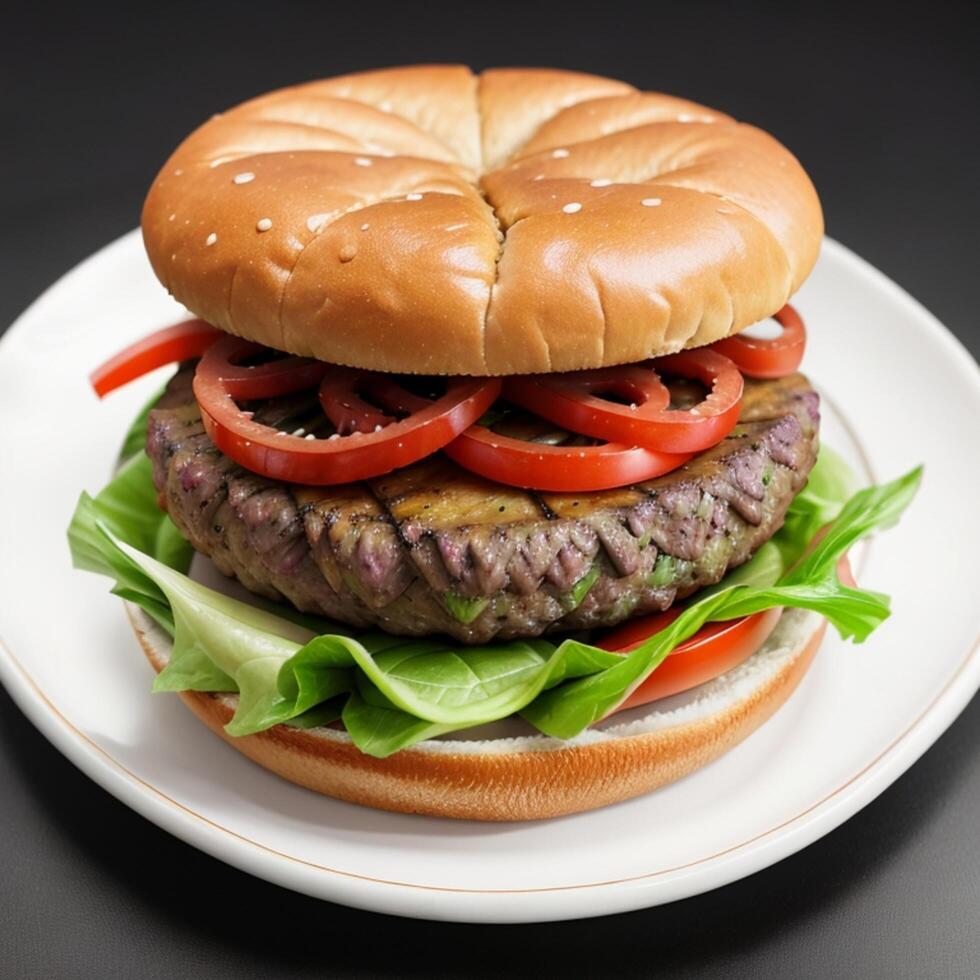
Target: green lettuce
(127, 507)
(391, 692)
(811, 582)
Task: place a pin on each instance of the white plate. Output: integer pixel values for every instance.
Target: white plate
(898, 390)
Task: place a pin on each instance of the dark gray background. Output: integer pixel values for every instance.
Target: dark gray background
(882, 111)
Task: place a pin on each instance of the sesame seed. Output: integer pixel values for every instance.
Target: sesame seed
(316, 221)
(378, 427)
(581, 455)
(281, 433)
(651, 202)
(572, 208)
(413, 197)
(632, 406)
(601, 182)
(685, 117)
(309, 436)
(539, 177)
(243, 178)
(171, 218)
(298, 432)
(336, 435)
(178, 172)
(247, 415)
(725, 211)
(363, 161)
(365, 226)
(263, 224)
(211, 239)
(560, 153)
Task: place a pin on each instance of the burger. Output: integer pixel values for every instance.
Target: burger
(522, 522)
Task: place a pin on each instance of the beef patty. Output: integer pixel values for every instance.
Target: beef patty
(432, 548)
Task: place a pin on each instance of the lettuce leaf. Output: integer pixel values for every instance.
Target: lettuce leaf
(830, 484)
(392, 692)
(280, 670)
(128, 508)
(810, 583)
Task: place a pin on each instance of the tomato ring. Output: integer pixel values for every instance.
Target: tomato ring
(222, 377)
(342, 403)
(272, 379)
(774, 358)
(572, 401)
(715, 649)
(535, 466)
(179, 342)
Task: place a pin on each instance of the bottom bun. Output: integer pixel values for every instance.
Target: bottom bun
(527, 776)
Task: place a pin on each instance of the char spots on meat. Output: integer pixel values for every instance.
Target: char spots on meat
(388, 553)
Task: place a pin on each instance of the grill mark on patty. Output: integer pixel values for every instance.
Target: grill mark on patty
(387, 551)
(408, 548)
(546, 511)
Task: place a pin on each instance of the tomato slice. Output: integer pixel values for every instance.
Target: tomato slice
(366, 442)
(768, 358)
(342, 402)
(270, 379)
(574, 401)
(537, 466)
(715, 649)
(180, 342)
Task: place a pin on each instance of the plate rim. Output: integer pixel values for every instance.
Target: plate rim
(486, 905)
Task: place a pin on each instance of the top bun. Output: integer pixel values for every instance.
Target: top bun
(429, 220)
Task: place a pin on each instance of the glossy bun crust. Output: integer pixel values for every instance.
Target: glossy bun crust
(426, 219)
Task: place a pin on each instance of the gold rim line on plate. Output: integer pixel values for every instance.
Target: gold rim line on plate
(206, 821)
(81, 736)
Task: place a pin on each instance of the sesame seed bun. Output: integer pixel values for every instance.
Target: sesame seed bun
(499, 773)
(426, 219)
